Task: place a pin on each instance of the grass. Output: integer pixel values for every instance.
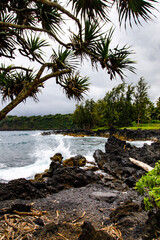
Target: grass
(146, 126)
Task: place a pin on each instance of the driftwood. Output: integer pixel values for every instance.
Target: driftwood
(143, 165)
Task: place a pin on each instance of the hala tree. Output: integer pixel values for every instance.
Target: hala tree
(29, 26)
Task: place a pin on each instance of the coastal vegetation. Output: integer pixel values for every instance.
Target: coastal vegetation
(47, 122)
(124, 106)
(149, 185)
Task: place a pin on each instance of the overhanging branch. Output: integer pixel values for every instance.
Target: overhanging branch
(24, 27)
(28, 88)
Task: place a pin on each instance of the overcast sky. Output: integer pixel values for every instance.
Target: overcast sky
(145, 41)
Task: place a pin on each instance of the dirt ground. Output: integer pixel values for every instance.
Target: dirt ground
(64, 213)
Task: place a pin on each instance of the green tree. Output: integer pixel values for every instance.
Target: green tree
(84, 116)
(26, 26)
(79, 116)
(128, 109)
(142, 103)
(99, 110)
(157, 109)
(119, 107)
(112, 99)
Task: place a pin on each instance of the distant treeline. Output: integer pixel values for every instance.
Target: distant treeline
(125, 105)
(46, 122)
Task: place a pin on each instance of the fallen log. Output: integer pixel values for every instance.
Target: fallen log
(143, 165)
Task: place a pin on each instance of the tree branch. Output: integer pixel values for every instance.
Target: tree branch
(28, 88)
(12, 25)
(10, 68)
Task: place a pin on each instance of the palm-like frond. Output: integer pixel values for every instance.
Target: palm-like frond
(49, 17)
(103, 46)
(75, 86)
(135, 10)
(4, 6)
(35, 45)
(91, 9)
(23, 14)
(119, 61)
(91, 35)
(12, 83)
(7, 44)
(7, 40)
(6, 17)
(64, 59)
(115, 61)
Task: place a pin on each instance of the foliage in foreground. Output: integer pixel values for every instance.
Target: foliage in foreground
(149, 187)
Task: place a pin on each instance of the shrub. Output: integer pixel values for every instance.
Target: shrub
(149, 186)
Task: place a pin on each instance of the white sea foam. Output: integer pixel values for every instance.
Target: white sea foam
(42, 154)
(45, 147)
(36, 134)
(139, 143)
(2, 165)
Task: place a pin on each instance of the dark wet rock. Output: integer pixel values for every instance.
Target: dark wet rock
(138, 134)
(152, 226)
(60, 178)
(115, 159)
(130, 220)
(128, 134)
(19, 188)
(122, 211)
(91, 168)
(42, 176)
(53, 166)
(90, 233)
(72, 176)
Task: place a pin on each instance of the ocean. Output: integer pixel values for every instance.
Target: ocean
(25, 153)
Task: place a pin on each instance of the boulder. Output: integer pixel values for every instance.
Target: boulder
(115, 160)
(78, 160)
(152, 226)
(104, 196)
(57, 157)
(19, 188)
(72, 177)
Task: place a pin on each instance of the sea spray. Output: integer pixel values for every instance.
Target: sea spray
(25, 153)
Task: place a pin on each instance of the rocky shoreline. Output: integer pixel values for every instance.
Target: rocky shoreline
(126, 134)
(102, 196)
